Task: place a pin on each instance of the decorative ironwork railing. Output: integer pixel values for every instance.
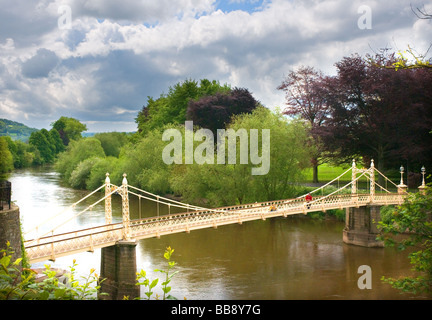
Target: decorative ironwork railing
(51, 247)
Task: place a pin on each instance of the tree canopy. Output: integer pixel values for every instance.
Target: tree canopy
(305, 98)
(369, 112)
(215, 111)
(227, 184)
(6, 160)
(69, 129)
(172, 107)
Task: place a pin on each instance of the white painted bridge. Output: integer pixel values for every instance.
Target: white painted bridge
(50, 245)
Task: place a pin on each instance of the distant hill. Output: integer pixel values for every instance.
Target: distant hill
(15, 130)
(87, 134)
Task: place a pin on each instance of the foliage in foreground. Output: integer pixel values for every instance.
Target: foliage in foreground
(144, 281)
(410, 226)
(17, 283)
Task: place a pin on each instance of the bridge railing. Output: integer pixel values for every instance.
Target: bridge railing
(51, 250)
(50, 245)
(92, 238)
(71, 234)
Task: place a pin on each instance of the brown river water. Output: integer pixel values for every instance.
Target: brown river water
(276, 259)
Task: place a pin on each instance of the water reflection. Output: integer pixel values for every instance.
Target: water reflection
(282, 258)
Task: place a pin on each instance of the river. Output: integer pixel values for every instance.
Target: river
(275, 259)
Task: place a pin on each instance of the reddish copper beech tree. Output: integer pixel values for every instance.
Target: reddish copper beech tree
(304, 92)
(379, 113)
(366, 111)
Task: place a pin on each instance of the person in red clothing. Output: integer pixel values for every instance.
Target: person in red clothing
(308, 198)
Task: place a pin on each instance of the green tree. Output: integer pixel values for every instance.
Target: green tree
(69, 129)
(77, 151)
(56, 141)
(172, 107)
(18, 283)
(98, 171)
(112, 142)
(410, 226)
(144, 165)
(6, 159)
(21, 155)
(81, 173)
(3, 127)
(289, 153)
(43, 142)
(228, 184)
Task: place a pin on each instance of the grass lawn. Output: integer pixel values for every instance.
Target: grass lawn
(327, 173)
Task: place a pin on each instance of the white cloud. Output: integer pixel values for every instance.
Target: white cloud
(117, 53)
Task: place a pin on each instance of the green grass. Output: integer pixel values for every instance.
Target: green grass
(327, 172)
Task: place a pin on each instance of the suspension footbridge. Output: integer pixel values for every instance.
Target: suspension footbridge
(53, 244)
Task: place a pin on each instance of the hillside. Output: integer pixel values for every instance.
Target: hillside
(15, 130)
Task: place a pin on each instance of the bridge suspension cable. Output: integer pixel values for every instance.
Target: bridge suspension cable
(387, 179)
(233, 209)
(327, 184)
(64, 210)
(175, 203)
(334, 192)
(164, 200)
(74, 216)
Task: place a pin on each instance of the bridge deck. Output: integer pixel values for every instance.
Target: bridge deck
(55, 246)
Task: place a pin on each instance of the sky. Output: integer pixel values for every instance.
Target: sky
(98, 61)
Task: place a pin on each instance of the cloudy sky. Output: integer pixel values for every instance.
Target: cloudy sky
(99, 60)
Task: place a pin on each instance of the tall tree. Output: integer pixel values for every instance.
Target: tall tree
(171, 108)
(69, 129)
(379, 113)
(304, 97)
(6, 160)
(215, 111)
(56, 141)
(43, 142)
(227, 184)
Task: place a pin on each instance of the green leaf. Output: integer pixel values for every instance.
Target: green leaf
(59, 293)
(173, 274)
(142, 273)
(5, 261)
(153, 284)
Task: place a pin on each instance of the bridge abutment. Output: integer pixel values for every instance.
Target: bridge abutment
(361, 226)
(10, 230)
(118, 268)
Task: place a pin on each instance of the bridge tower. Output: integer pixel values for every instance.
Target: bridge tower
(108, 204)
(361, 222)
(118, 262)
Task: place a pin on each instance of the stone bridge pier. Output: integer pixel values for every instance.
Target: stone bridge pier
(10, 230)
(118, 269)
(361, 226)
(118, 262)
